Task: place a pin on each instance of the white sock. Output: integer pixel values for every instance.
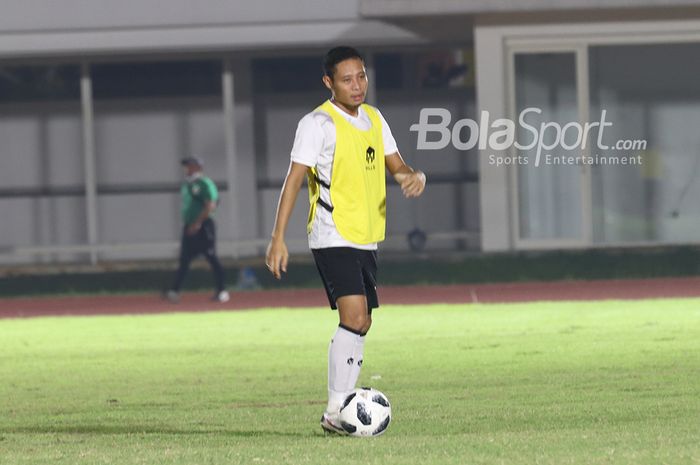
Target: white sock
(344, 364)
(357, 366)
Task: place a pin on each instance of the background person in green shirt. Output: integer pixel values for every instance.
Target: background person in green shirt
(199, 200)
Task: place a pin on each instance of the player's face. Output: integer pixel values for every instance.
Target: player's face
(190, 169)
(349, 83)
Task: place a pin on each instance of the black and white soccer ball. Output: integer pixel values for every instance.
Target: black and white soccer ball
(365, 412)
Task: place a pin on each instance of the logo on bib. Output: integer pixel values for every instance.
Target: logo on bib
(370, 155)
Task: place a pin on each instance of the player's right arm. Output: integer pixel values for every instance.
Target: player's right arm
(277, 254)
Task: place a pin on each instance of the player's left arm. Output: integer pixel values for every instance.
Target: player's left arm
(412, 181)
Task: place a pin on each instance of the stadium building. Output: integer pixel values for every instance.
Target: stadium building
(100, 100)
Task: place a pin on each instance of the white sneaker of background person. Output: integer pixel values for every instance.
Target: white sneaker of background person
(172, 296)
(221, 297)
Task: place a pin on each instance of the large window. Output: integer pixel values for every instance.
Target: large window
(636, 179)
(549, 192)
(651, 95)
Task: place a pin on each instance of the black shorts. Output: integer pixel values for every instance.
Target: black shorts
(202, 242)
(348, 271)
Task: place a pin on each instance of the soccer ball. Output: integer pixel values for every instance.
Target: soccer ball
(365, 412)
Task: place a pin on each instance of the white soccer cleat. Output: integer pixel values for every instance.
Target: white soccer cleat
(221, 297)
(331, 424)
(172, 296)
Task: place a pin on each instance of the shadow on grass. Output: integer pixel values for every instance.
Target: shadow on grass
(138, 429)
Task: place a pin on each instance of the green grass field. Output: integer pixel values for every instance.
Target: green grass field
(547, 383)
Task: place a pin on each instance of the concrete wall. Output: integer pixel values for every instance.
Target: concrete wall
(394, 8)
(38, 15)
(41, 28)
(41, 146)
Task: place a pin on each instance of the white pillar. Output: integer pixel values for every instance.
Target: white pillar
(89, 160)
(494, 188)
(584, 111)
(231, 159)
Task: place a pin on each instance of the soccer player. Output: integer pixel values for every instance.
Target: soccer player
(343, 148)
(199, 200)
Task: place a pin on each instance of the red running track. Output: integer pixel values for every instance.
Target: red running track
(401, 295)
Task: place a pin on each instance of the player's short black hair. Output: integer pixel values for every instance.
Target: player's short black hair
(335, 56)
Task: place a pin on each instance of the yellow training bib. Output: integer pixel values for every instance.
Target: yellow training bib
(358, 184)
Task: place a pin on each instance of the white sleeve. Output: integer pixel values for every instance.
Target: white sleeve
(308, 141)
(389, 141)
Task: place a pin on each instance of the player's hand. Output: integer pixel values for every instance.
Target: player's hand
(276, 257)
(192, 229)
(412, 184)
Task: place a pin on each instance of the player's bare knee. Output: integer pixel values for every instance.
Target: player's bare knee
(353, 312)
(358, 320)
(368, 324)
(355, 322)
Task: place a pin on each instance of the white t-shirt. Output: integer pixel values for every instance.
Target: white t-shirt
(314, 146)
